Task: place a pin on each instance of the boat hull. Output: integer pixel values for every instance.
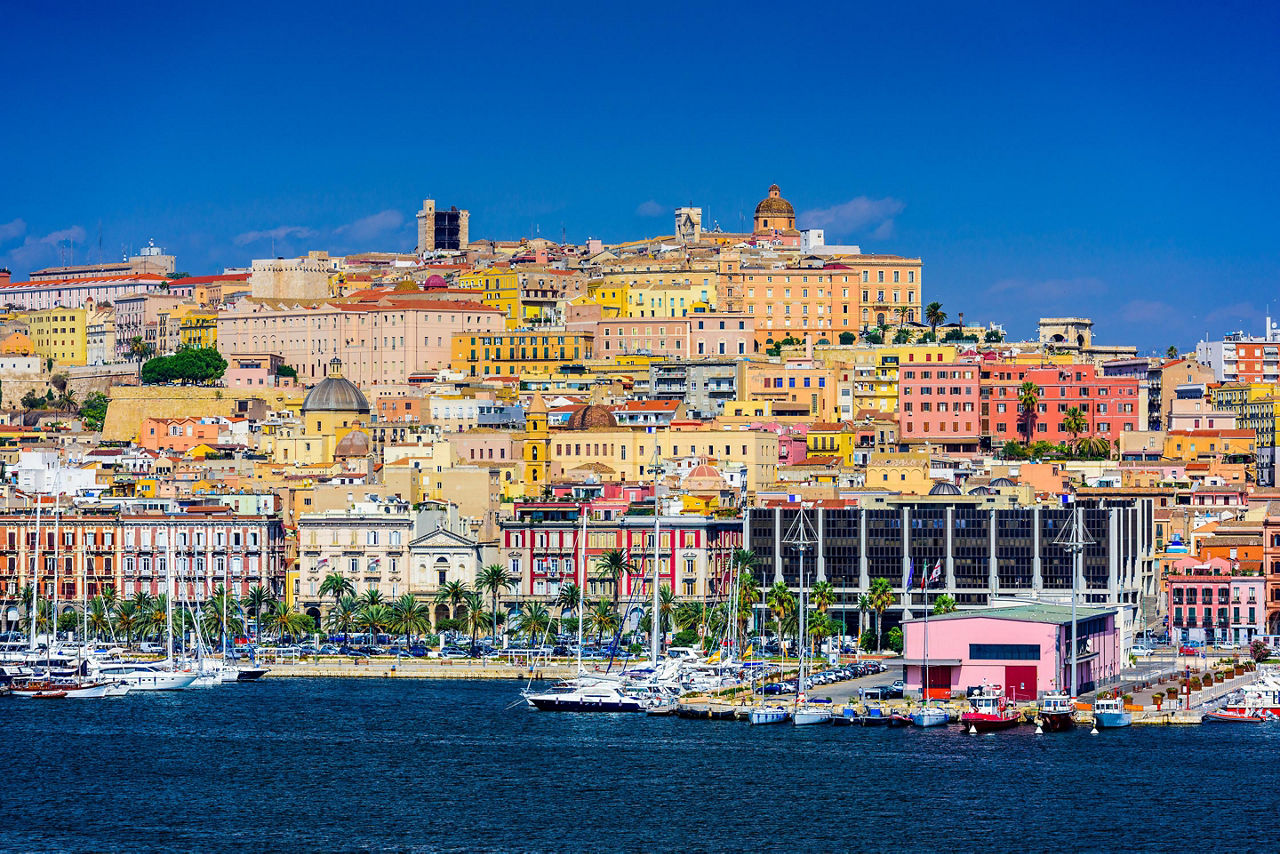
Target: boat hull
(930, 717)
(763, 717)
(1112, 720)
(554, 704)
(806, 718)
(1056, 721)
(1226, 716)
(987, 723)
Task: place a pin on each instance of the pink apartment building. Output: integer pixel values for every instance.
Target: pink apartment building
(1110, 405)
(697, 335)
(380, 341)
(941, 404)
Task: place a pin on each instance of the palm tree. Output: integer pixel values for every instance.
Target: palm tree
(535, 621)
(901, 311)
(155, 618)
(822, 596)
(568, 598)
(475, 616)
(409, 617)
(864, 605)
(284, 620)
(1073, 421)
(611, 566)
(258, 600)
(126, 620)
(99, 617)
(211, 616)
(748, 596)
(935, 317)
(344, 615)
(601, 618)
(373, 618)
(337, 585)
(692, 615)
(881, 595)
(1028, 399)
(782, 604)
(493, 579)
(453, 594)
(1172, 352)
(944, 604)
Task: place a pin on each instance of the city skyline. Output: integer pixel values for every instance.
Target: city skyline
(1039, 165)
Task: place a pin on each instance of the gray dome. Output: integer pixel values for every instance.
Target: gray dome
(1002, 481)
(335, 393)
(944, 489)
(980, 490)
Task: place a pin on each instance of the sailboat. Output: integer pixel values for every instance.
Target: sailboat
(802, 537)
(928, 715)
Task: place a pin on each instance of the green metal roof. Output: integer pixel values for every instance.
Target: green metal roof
(1039, 613)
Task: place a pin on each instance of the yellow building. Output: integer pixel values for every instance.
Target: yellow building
(611, 295)
(677, 299)
(334, 424)
(60, 334)
(198, 328)
(535, 446)
(518, 352)
(838, 439)
(500, 289)
(907, 473)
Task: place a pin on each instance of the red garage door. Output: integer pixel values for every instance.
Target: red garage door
(1020, 682)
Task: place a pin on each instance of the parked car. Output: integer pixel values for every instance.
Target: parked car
(1143, 651)
(1188, 649)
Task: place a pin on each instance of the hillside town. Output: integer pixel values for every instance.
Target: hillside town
(522, 419)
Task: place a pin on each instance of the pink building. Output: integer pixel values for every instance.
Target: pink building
(1025, 648)
(1208, 603)
(696, 335)
(941, 404)
(255, 370)
(1110, 405)
(381, 338)
(178, 434)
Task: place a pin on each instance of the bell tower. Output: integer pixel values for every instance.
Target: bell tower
(536, 443)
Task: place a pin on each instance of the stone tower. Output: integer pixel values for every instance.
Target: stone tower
(427, 227)
(536, 442)
(688, 224)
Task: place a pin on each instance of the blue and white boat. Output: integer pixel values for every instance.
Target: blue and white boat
(930, 716)
(769, 715)
(1110, 713)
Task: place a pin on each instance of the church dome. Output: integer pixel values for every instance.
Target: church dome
(704, 478)
(1002, 481)
(591, 416)
(354, 444)
(944, 488)
(774, 205)
(335, 393)
(435, 282)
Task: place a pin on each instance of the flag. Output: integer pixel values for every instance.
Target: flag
(747, 654)
(324, 561)
(911, 569)
(650, 429)
(936, 573)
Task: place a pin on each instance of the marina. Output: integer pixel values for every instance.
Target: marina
(398, 764)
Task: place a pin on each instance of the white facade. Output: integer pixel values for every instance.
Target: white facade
(43, 471)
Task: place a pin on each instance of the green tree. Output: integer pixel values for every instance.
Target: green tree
(409, 617)
(993, 336)
(568, 599)
(257, 601)
(281, 620)
(337, 585)
(894, 639)
(902, 336)
(535, 621)
(344, 616)
(944, 604)
(874, 336)
(99, 617)
(126, 620)
(881, 595)
(1172, 352)
(31, 400)
(453, 594)
(211, 617)
(935, 317)
(475, 617)
(822, 596)
(139, 349)
(93, 411)
(781, 604)
(1028, 399)
(610, 567)
(494, 579)
(864, 606)
(748, 596)
(602, 619)
(1074, 422)
(847, 338)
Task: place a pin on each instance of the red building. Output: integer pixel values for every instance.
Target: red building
(1110, 405)
(941, 404)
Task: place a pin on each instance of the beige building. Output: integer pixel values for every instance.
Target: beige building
(305, 278)
(366, 542)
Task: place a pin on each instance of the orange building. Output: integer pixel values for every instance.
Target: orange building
(177, 434)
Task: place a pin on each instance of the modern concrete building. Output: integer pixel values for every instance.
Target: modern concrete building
(704, 385)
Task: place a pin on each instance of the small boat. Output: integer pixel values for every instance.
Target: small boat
(874, 716)
(1238, 716)
(1110, 713)
(661, 708)
(1055, 713)
(809, 716)
(899, 719)
(49, 695)
(720, 711)
(762, 715)
(989, 710)
(250, 674)
(930, 716)
(588, 698)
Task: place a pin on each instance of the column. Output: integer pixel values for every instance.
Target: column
(818, 546)
(1037, 570)
(777, 544)
(993, 577)
(1113, 554)
(951, 558)
(864, 565)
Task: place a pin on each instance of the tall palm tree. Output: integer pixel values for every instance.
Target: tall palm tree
(373, 618)
(748, 596)
(155, 619)
(601, 618)
(494, 579)
(337, 585)
(211, 616)
(935, 317)
(881, 596)
(453, 594)
(344, 615)
(475, 616)
(1028, 399)
(864, 605)
(822, 596)
(1073, 421)
(610, 567)
(99, 617)
(257, 602)
(781, 604)
(1172, 352)
(692, 615)
(126, 620)
(281, 619)
(409, 617)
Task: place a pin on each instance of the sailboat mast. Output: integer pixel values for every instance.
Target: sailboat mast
(168, 585)
(924, 687)
(36, 571)
(582, 580)
(57, 537)
(655, 638)
(1077, 562)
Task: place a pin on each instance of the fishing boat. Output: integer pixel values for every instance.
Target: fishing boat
(899, 719)
(843, 718)
(1110, 713)
(1055, 713)
(930, 716)
(762, 715)
(989, 710)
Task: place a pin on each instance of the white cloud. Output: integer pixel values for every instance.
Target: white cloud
(372, 228)
(282, 232)
(650, 208)
(12, 230)
(856, 215)
(1050, 289)
(38, 252)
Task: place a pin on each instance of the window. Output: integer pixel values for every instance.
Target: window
(1004, 652)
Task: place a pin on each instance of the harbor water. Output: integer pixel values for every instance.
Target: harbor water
(336, 765)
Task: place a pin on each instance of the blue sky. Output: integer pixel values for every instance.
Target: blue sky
(1113, 161)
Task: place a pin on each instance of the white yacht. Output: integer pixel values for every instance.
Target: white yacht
(144, 675)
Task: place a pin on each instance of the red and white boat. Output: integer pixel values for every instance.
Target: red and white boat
(989, 710)
(1262, 696)
(1238, 716)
